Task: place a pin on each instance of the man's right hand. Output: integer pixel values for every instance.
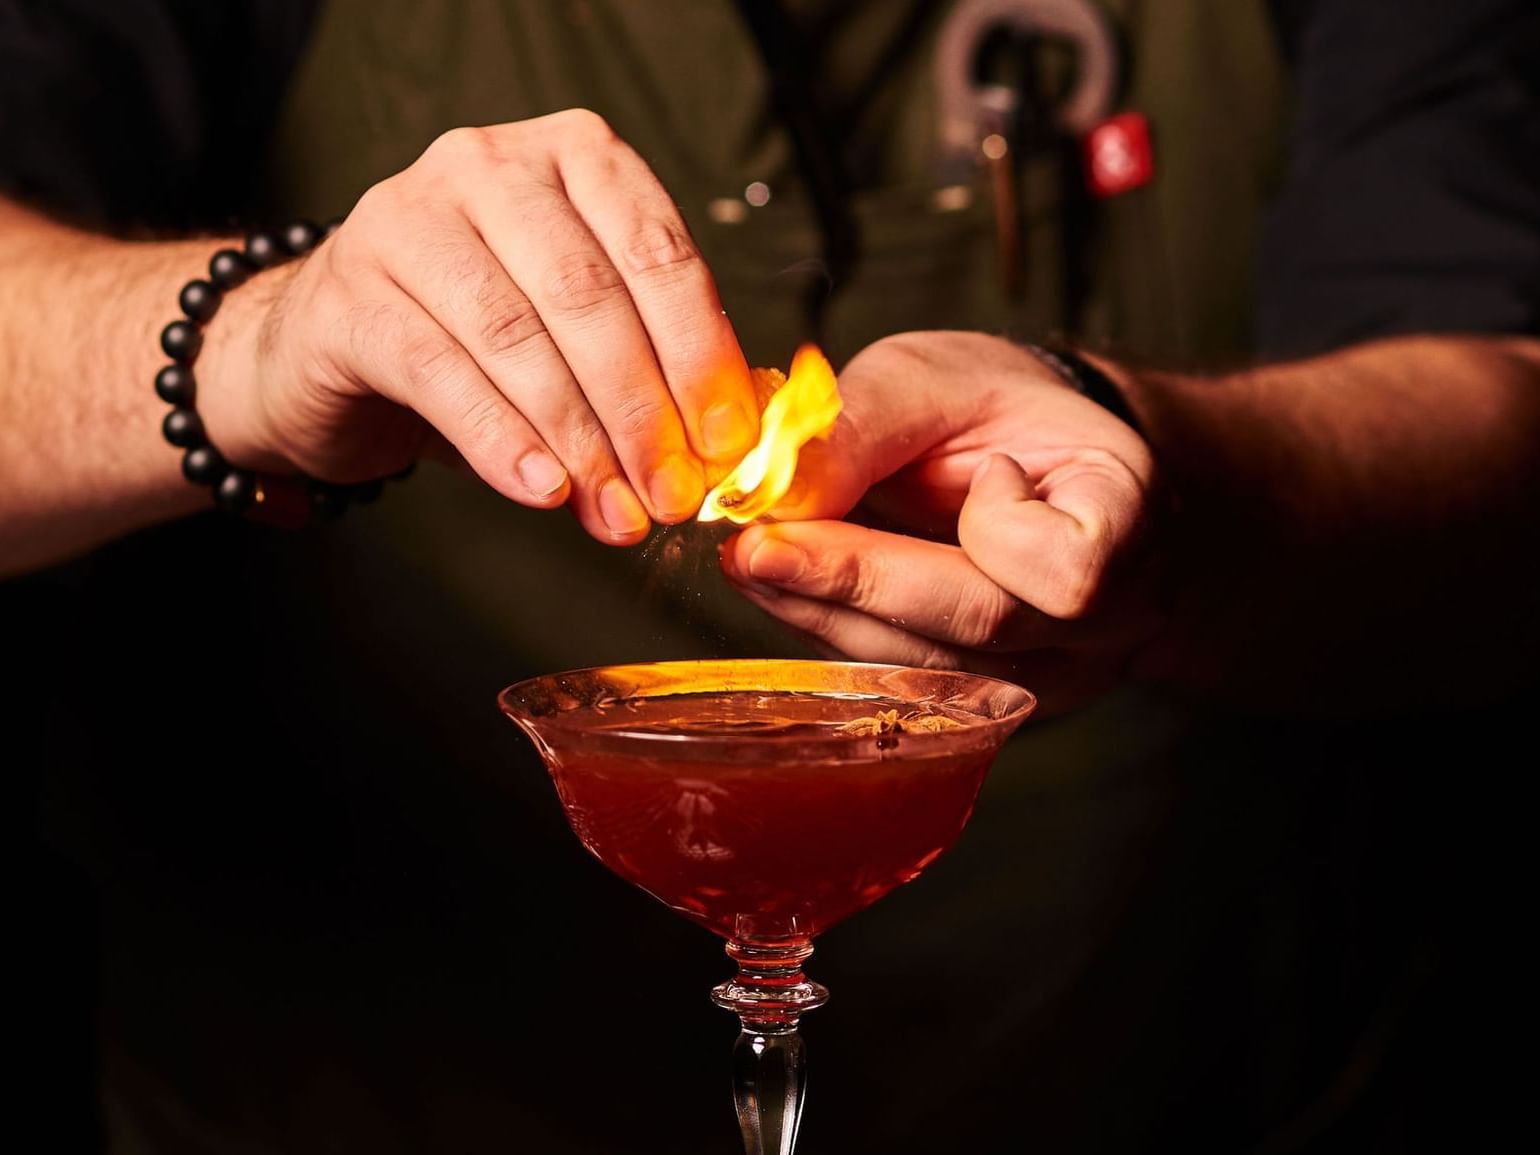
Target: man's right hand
(529, 293)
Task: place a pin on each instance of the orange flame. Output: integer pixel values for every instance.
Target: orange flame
(803, 408)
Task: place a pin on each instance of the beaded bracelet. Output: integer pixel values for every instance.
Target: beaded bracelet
(286, 501)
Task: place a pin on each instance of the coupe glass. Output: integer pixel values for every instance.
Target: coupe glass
(767, 800)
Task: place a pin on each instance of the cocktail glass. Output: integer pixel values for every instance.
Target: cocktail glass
(767, 800)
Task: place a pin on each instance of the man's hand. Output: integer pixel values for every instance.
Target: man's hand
(1012, 513)
(526, 292)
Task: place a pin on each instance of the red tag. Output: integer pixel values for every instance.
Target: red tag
(1118, 155)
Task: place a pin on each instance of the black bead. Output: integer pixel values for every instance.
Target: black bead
(181, 341)
(184, 429)
(236, 491)
(404, 472)
(327, 501)
(300, 237)
(203, 465)
(366, 491)
(263, 250)
(200, 300)
(174, 385)
(228, 269)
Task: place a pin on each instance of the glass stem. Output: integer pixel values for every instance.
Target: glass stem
(769, 994)
(769, 1074)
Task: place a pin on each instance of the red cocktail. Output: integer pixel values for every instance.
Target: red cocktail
(755, 846)
(767, 800)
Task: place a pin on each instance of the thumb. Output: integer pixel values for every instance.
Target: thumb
(1023, 544)
(999, 481)
(998, 528)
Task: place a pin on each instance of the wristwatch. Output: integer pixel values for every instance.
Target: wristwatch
(1086, 379)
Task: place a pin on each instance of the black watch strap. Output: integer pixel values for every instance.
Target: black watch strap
(1087, 380)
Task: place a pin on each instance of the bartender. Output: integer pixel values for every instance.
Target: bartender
(1181, 918)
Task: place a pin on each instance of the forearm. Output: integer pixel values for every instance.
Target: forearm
(1359, 521)
(81, 456)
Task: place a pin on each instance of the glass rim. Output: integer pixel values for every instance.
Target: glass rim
(719, 675)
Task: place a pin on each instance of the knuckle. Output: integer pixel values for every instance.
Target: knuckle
(379, 206)
(1061, 578)
(482, 419)
(637, 415)
(509, 325)
(660, 247)
(848, 578)
(458, 146)
(370, 325)
(934, 657)
(905, 351)
(1073, 584)
(429, 362)
(819, 619)
(582, 124)
(585, 451)
(581, 285)
(978, 621)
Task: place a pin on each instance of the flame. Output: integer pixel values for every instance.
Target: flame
(803, 408)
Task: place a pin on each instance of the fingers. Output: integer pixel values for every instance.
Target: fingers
(855, 593)
(601, 253)
(471, 295)
(582, 305)
(922, 410)
(836, 631)
(409, 359)
(830, 575)
(551, 257)
(647, 241)
(1053, 554)
(549, 252)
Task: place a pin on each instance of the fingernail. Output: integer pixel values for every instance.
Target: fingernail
(726, 430)
(676, 488)
(621, 510)
(541, 473)
(776, 561)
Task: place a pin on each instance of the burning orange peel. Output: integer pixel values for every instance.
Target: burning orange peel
(801, 408)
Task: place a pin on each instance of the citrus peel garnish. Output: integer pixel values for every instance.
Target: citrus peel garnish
(802, 405)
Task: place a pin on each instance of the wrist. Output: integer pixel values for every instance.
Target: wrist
(1159, 563)
(282, 497)
(236, 353)
(1108, 384)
